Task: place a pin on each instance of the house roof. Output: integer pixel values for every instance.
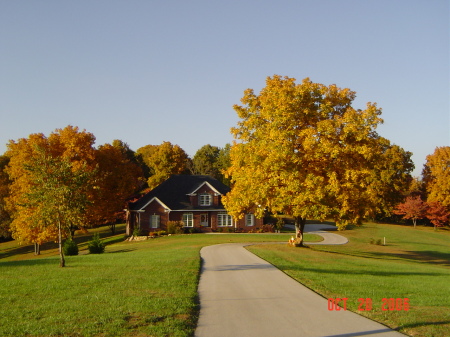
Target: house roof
(174, 192)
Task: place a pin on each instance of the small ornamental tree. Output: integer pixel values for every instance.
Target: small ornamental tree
(413, 208)
(58, 194)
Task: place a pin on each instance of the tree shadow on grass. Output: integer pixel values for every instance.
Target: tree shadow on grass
(31, 262)
(121, 251)
(431, 257)
(418, 324)
(355, 272)
(82, 241)
(28, 249)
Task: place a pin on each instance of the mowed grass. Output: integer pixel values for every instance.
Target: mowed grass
(414, 264)
(144, 288)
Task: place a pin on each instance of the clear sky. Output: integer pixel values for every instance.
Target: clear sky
(151, 71)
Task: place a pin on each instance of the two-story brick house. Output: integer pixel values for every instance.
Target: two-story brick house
(194, 199)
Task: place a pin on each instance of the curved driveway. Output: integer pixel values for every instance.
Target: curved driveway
(242, 295)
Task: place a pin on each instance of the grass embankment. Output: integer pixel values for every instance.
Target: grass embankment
(144, 288)
(414, 264)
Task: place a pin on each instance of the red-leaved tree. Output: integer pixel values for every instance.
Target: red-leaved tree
(437, 214)
(413, 208)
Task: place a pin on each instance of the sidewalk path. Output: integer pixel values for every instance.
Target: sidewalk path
(242, 295)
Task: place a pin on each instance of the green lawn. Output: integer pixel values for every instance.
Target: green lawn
(149, 288)
(144, 288)
(414, 264)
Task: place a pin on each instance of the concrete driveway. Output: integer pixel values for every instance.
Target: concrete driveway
(242, 295)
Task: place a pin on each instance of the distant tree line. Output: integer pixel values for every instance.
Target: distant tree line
(300, 150)
(51, 186)
(428, 199)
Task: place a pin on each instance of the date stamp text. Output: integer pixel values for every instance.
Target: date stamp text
(366, 304)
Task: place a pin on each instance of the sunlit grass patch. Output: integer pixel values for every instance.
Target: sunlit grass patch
(414, 264)
(146, 288)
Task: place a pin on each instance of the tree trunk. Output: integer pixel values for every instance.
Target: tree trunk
(299, 229)
(37, 249)
(62, 262)
(112, 227)
(72, 231)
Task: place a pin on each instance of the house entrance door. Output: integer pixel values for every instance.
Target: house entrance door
(204, 220)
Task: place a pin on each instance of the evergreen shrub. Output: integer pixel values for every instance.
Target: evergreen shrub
(96, 246)
(70, 247)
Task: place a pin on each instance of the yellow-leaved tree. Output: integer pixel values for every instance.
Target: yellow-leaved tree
(62, 183)
(436, 176)
(304, 151)
(163, 161)
(51, 179)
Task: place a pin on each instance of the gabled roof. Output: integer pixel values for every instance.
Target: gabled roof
(201, 185)
(174, 192)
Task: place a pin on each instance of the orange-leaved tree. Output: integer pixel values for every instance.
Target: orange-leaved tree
(51, 178)
(438, 214)
(303, 150)
(413, 208)
(5, 182)
(117, 177)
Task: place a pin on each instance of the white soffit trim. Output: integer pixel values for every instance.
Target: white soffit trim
(209, 185)
(158, 201)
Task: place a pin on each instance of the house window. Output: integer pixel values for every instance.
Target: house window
(205, 199)
(188, 219)
(249, 219)
(154, 221)
(223, 219)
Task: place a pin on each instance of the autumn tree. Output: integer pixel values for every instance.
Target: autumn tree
(117, 177)
(303, 150)
(132, 156)
(33, 161)
(414, 208)
(163, 161)
(438, 214)
(5, 218)
(436, 176)
(224, 163)
(58, 194)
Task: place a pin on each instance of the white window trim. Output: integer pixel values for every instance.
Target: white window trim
(188, 219)
(205, 199)
(155, 221)
(224, 216)
(249, 219)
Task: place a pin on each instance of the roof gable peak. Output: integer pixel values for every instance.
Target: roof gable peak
(203, 184)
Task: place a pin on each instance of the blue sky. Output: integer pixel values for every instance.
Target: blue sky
(152, 71)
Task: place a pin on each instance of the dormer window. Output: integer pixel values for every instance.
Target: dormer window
(205, 199)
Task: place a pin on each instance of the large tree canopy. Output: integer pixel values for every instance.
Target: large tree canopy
(303, 150)
(61, 182)
(436, 175)
(50, 184)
